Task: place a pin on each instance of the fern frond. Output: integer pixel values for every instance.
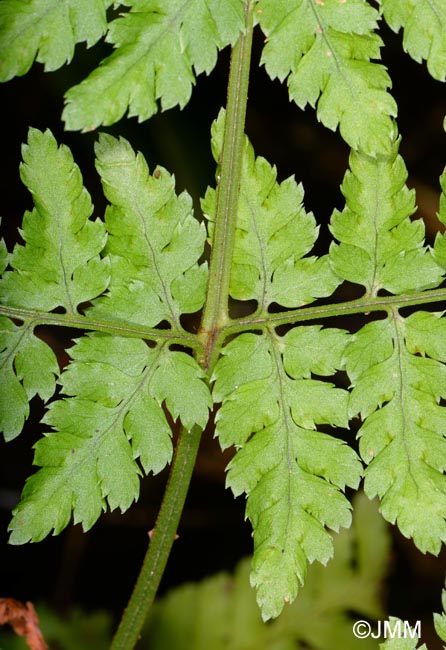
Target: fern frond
(396, 391)
(27, 367)
(398, 372)
(113, 417)
(46, 30)
(324, 49)
(292, 474)
(381, 248)
(424, 25)
(154, 241)
(158, 45)
(115, 386)
(59, 265)
(273, 234)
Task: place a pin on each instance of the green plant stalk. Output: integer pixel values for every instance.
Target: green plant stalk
(36, 318)
(363, 305)
(214, 315)
(161, 541)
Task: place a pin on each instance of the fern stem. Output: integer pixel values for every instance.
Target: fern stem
(361, 305)
(36, 318)
(161, 541)
(215, 313)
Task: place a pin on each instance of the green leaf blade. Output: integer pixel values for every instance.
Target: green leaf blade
(46, 30)
(158, 47)
(398, 637)
(439, 251)
(398, 394)
(59, 265)
(28, 367)
(424, 25)
(324, 49)
(111, 417)
(440, 619)
(154, 242)
(381, 248)
(4, 256)
(287, 538)
(192, 402)
(270, 408)
(273, 234)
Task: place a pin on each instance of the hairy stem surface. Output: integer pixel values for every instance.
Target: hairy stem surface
(215, 313)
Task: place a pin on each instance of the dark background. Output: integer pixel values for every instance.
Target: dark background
(98, 569)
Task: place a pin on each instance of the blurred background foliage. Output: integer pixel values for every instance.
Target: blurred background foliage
(221, 612)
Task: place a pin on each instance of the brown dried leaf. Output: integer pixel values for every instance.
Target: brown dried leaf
(23, 620)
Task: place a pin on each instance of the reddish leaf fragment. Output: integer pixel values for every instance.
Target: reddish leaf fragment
(23, 620)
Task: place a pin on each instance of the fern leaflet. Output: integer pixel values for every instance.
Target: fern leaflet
(292, 474)
(424, 25)
(440, 239)
(273, 235)
(381, 248)
(397, 641)
(440, 619)
(154, 242)
(27, 367)
(157, 46)
(409, 640)
(113, 417)
(60, 264)
(402, 439)
(46, 30)
(324, 49)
